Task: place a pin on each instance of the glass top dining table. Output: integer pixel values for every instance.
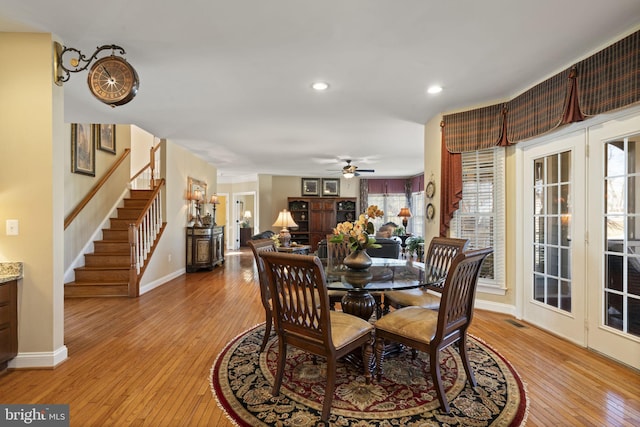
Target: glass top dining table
(385, 274)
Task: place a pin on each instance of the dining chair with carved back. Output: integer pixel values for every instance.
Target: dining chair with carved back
(431, 331)
(295, 282)
(257, 247)
(336, 253)
(440, 255)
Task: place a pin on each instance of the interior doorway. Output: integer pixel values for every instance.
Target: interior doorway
(244, 217)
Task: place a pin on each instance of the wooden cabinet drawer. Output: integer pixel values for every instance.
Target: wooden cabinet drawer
(5, 293)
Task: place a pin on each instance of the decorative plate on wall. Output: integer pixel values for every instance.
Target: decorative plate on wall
(431, 211)
(431, 189)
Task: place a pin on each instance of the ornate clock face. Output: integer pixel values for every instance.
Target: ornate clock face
(113, 80)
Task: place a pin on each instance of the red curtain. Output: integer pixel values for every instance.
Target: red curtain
(450, 185)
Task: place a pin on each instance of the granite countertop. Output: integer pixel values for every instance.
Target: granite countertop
(10, 271)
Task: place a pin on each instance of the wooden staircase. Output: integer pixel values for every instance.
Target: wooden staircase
(107, 270)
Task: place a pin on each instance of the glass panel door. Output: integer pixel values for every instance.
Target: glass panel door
(551, 231)
(622, 236)
(553, 220)
(613, 270)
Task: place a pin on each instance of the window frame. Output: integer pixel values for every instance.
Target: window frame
(473, 161)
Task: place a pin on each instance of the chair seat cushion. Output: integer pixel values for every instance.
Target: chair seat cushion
(345, 328)
(417, 297)
(416, 323)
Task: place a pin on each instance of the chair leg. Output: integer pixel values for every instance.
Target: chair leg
(462, 347)
(331, 385)
(434, 365)
(367, 354)
(379, 357)
(282, 360)
(267, 332)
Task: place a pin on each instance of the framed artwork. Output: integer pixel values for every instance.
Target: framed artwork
(330, 187)
(310, 186)
(83, 151)
(105, 136)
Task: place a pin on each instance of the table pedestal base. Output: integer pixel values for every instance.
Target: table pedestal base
(359, 303)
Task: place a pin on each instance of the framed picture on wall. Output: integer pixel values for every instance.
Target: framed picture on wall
(105, 136)
(83, 150)
(330, 187)
(310, 186)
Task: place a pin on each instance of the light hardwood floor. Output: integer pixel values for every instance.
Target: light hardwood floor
(146, 361)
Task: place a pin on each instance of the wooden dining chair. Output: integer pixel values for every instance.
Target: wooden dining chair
(257, 247)
(430, 331)
(441, 252)
(336, 253)
(304, 322)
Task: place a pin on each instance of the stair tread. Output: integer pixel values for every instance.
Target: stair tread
(76, 283)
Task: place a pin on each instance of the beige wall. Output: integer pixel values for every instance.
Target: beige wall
(178, 165)
(34, 144)
(82, 231)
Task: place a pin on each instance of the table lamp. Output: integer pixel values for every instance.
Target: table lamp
(285, 220)
(196, 198)
(405, 214)
(214, 201)
(246, 218)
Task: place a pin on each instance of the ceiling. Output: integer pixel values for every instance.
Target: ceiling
(230, 80)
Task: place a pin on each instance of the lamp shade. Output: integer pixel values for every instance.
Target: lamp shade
(247, 214)
(285, 220)
(214, 200)
(404, 213)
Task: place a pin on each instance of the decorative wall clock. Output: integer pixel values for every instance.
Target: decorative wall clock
(113, 80)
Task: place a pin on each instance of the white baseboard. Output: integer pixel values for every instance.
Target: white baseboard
(37, 359)
(496, 307)
(161, 281)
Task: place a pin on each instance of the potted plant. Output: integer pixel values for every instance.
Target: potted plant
(413, 244)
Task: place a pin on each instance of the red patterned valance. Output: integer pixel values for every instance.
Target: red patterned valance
(538, 110)
(604, 82)
(473, 130)
(610, 79)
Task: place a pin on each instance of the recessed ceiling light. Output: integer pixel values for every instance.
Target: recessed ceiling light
(320, 86)
(434, 89)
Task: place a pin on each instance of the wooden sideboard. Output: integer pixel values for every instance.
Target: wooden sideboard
(205, 247)
(245, 235)
(8, 322)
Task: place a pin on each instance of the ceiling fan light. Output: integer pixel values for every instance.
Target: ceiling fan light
(434, 89)
(348, 175)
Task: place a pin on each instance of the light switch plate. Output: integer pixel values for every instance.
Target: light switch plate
(12, 227)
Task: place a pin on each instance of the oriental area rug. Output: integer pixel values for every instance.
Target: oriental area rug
(242, 379)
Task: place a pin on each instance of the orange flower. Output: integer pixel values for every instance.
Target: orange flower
(360, 232)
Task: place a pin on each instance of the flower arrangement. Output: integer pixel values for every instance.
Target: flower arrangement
(360, 233)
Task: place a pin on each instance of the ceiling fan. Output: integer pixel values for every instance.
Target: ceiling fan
(349, 171)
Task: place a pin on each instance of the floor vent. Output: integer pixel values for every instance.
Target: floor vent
(516, 324)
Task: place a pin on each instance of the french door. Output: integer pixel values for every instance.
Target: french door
(614, 236)
(553, 219)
